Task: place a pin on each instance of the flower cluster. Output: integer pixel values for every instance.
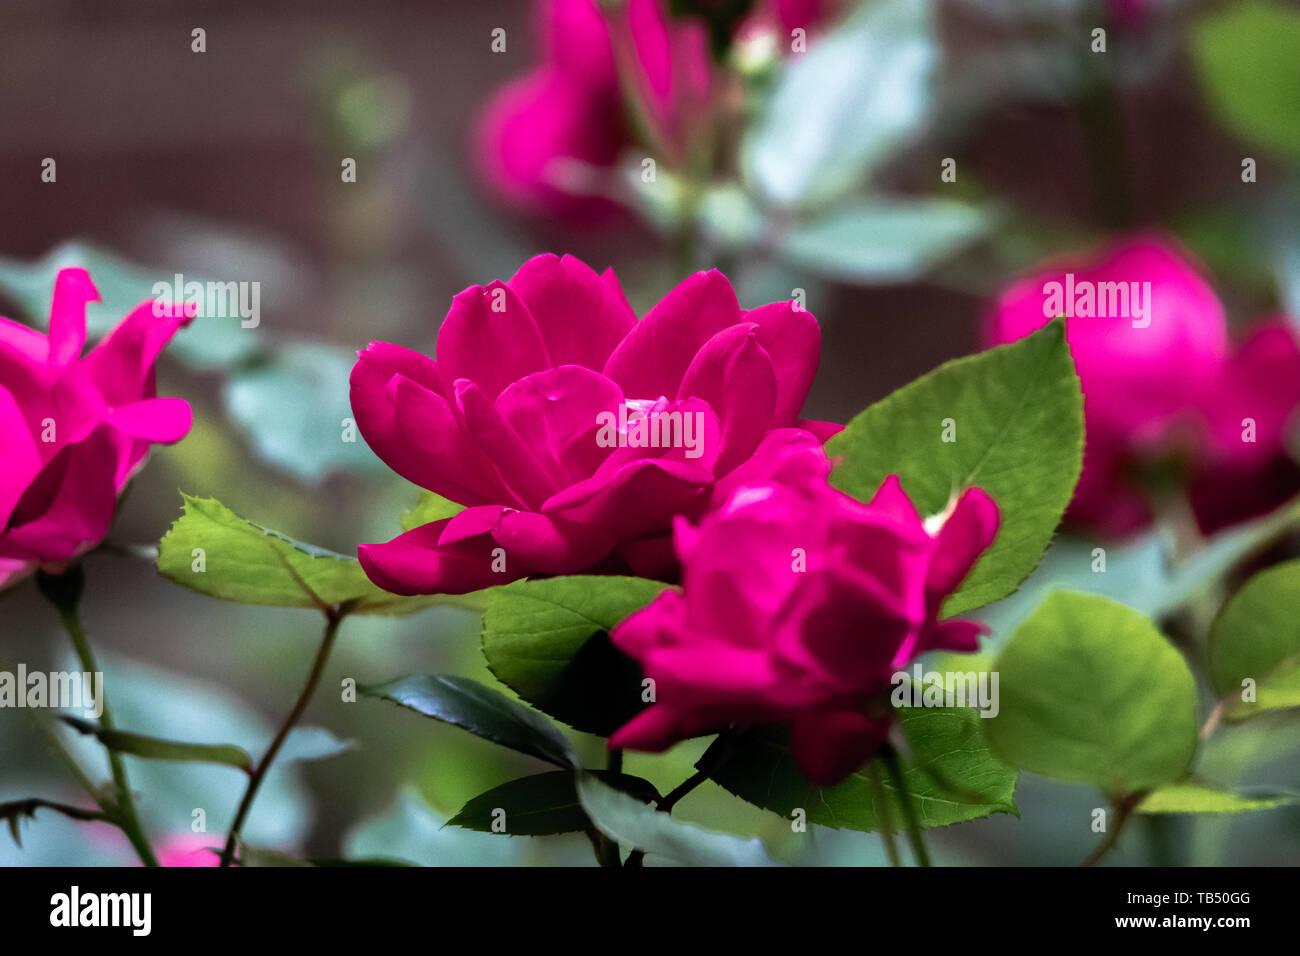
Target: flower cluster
(797, 602)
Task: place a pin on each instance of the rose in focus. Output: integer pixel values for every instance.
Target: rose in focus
(513, 420)
(798, 603)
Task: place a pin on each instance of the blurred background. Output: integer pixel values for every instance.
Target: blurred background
(226, 164)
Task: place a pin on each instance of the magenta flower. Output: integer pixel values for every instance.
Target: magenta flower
(573, 432)
(671, 72)
(541, 135)
(1147, 333)
(798, 603)
(74, 430)
(1249, 410)
(567, 111)
(188, 849)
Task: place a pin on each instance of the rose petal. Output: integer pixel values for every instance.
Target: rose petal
(581, 319)
(831, 744)
(490, 338)
(652, 359)
(414, 563)
(72, 291)
(734, 374)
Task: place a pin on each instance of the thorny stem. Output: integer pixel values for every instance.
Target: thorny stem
(1121, 810)
(333, 618)
(712, 760)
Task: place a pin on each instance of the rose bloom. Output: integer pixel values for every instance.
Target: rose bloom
(74, 429)
(189, 849)
(1165, 385)
(539, 132)
(534, 416)
(568, 110)
(798, 603)
(1141, 377)
(1243, 467)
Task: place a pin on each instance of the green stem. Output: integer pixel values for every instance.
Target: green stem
(333, 618)
(881, 799)
(64, 592)
(713, 758)
(608, 852)
(1121, 811)
(890, 757)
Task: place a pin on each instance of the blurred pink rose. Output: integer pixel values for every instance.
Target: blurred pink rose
(74, 430)
(1249, 410)
(1147, 334)
(672, 72)
(798, 603)
(538, 131)
(189, 849)
(575, 433)
(567, 110)
(1129, 14)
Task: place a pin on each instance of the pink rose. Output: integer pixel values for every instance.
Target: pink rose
(671, 72)
(189, 849)
(575, 433)
(567, 111)
(799, 603)
(1243, 468)
(1146, 332)
(74, 430)
(539, 132)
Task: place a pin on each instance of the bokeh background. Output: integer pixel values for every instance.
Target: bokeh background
(226, 164)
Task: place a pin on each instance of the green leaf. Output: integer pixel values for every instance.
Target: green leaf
(410, 831)
(430, 507)
(155, 748)
(1256, 636)
(294, 410)
(540, 805)
(1139, 574)
(950, 772)
(311, 743)
(482, 711)
(1017, 411)
(208, 343)
(1194, 798)
(629, 822)
(845, 106)
(1092, 692)
(212, 550)
(548, 641)
(1246, 56)
(884, 240)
